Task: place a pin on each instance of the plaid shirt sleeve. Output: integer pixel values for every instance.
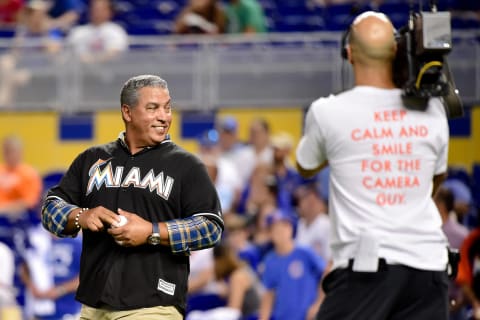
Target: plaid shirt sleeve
(55, 213)
(193, 233)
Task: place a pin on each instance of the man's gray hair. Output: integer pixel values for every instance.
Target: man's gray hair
(129, 93)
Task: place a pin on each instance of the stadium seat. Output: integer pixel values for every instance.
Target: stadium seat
(338, 17)
(466, 22)
(7, 32)
(397, 12)
(51, 179)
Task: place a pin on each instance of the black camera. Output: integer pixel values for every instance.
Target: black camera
(420, 68)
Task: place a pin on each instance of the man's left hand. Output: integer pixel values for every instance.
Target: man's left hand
(134, 233)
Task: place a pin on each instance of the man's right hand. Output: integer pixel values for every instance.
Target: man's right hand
(96, 219)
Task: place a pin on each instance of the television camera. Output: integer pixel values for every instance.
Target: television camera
(421, 68)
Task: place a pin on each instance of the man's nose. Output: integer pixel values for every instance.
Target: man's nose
(161, 114)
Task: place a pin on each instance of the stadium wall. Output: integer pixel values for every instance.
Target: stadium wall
(52, 140)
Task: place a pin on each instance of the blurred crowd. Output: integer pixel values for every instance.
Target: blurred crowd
(275, 248)
(276, 242)
(102, 25)
(89, 28)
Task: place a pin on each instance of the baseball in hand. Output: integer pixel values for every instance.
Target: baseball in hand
(123, 221)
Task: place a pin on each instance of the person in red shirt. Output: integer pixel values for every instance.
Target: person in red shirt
(468, 276)
(9, 10)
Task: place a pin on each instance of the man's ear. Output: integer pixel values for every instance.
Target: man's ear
(126, 113)
(349, 54)
(395, 48)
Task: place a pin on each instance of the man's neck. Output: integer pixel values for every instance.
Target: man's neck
(284, 248)
(374, 77)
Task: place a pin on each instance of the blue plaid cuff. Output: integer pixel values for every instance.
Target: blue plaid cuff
(55, 213)
(193, 233)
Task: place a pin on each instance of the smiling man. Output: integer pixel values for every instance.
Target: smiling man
(137, 269)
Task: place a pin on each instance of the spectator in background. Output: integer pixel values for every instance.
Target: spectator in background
(313, 229)
(245, 16)
(203, 291)
(8, 305)
(241, 288)
(260, 202)
(258, 150)
(287, 177)
(9, 11)
(35, 31)
(222, 170)
(456, 233)
(259, 140)
(20, 183)
(238, 234)
(225, 192)
(231, 147)
(463, 207)
(64, 14)
(100, 39)
(469, 271)
(229, 142)
(51, 276)
(20, 193)
(241, 282)
(201, 16)
(291, 274)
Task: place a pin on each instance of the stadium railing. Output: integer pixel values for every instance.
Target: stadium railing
(204, 73)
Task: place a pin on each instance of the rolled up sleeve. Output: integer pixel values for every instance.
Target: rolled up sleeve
(55, 213)
(193, 233)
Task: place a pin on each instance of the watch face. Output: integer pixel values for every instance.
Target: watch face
(154, 239)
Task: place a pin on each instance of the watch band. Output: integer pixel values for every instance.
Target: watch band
(154, 238)
(155, 228)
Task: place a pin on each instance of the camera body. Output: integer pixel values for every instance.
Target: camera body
(421, 68)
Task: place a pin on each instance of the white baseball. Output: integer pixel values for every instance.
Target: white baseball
(123, 221)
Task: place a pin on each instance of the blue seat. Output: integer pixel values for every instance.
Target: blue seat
(300, 23)
(465, 23)
(7, 32)
(340, 16)
(51, 179)
(204, 301)
(398, 12)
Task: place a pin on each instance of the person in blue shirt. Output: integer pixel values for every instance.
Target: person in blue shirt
(287, 177)
(65, 13)
(65, 261)
(291, 275)
(51, 275)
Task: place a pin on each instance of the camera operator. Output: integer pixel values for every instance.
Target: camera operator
(389, 254)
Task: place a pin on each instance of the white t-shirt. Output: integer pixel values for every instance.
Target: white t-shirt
(316, 235)
(382, 161)
(244, 163)
(7, 271)
(106, 37)
(200, 261)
